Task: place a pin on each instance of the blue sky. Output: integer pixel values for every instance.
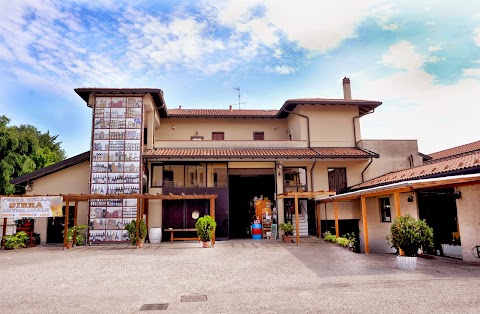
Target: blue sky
(420, 58)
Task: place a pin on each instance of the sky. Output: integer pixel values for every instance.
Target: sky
(420, 58)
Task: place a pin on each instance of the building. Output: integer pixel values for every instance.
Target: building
(140, 146)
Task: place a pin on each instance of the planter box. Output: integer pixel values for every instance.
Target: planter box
(406, 262)
(454, 251)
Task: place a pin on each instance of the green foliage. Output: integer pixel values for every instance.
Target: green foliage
(327, 236)
(287, 228)
(410, 234)
(351, 237)
(205, 226)
(342, 241)
(81, 237)
(24, 149)
(132, 231)
(15, 241)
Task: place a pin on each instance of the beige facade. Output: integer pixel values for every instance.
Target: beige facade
(468, 211)
(75, 180)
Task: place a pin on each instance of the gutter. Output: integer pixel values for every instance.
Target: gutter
(371, 160)
(353, 121)
(308, 123)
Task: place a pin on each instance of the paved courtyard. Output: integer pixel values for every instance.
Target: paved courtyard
(237, 276)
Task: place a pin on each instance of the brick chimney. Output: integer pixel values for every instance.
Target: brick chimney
(231, 108)
(347, 91)
(180, 107)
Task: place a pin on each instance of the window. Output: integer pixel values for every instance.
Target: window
(196, 138)
(157, 176)
(218, 136)
(385, 209)
(173, 176)
(258, 136)
(337, 180)
(196, 175)
(217, 175)
(295, 179)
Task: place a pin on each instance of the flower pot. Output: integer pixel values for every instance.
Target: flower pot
(287, 239)
(406, 262)
(139, 243)
(155, 235)
(69, 245)
(207, 244)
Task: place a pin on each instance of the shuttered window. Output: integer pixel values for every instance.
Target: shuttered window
(337, 180)
(258, 136)
(218, 136)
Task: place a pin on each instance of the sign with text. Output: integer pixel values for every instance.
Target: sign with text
(37, 206)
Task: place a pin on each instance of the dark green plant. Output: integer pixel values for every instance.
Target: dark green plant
(410, 234)
(132, 231)
(205, 227)
(287, 229)
(81, 237)
(10, 242)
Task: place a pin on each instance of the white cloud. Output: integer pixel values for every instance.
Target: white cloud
(283, 69)
(415, 107)
(476, 36)
(436, 47)
(471, 72)
(430, 23)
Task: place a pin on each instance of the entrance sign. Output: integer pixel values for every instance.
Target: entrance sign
(38, 206)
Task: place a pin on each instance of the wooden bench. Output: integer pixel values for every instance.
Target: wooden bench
(172, 231)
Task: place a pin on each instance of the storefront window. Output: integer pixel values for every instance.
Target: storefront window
(173, 176)
(196, 175)
(295, 179)
(157, 176)
(217, 175)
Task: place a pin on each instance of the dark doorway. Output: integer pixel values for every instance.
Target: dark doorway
(439, 209)
(243, 188)
(56, 226)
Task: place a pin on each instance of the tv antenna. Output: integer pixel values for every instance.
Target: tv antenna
(239, 97)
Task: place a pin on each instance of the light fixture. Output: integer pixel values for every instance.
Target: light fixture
(172, 127)
(196, 132)
(195, 214)
(410, 198)
(457, 194)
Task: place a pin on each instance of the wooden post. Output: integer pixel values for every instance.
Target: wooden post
(296, 220)
(138, 222)
(4, 230)
(319, 225)
(365, 224)
(75, 224)
(212, 214)
(335, 208)
(65, 227)
(396, 198)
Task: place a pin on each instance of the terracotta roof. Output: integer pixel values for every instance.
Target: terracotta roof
(222, 113)
(364, 106)
(456, 150)
(52, 168)
(460, 164)
(321, 152)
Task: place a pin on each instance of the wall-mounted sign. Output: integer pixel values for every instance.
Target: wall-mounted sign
(37, 206)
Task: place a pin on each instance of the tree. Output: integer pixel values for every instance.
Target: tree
(24, 149)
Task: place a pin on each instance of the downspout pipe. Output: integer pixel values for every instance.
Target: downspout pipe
(354, 130)
(311, 174)
(371, 160)
(308, 123)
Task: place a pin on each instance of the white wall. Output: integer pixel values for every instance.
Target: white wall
(468, 212)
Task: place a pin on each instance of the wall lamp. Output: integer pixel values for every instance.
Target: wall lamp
(410, 198)
(172, 127)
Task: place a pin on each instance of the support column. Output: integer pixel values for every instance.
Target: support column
(65, 227)
(396, 198)
(335, 208)
(319, 225)
(75, 224)
(365, 224)
(137, 222)
(296, 220)
(4, 230)
(212, 214)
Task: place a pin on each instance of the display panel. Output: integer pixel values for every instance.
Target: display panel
(115, 166)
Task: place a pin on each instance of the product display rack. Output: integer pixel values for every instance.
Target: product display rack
(115, 166)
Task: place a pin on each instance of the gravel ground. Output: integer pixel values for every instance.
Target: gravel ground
(237, 276)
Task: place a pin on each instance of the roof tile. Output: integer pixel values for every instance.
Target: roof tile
(456, 150)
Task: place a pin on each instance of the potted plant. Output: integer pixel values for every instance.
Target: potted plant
(408, 235)
(287, 229)
(132, 232)
(205, 228)
(80, 238)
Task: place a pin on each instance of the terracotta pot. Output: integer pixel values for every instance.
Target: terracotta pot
(287, 239)
(69, 245)
(207, 244)
(140, 243)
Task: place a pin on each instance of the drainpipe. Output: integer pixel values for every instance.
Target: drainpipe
(354, 130)
(311, 173)
(371, 160)
(308, 123)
